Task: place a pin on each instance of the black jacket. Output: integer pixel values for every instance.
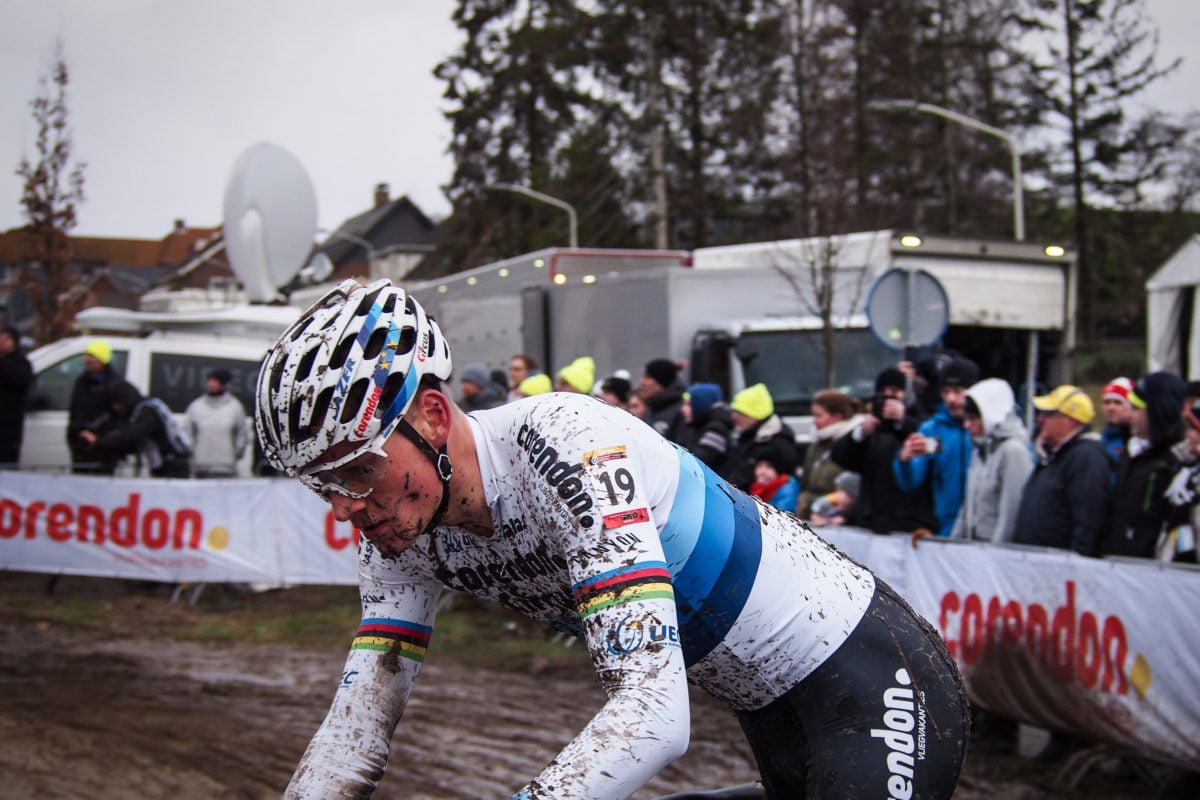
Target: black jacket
(770, 440)
(16, 375)
(1065, 501)
(91, 409)
(709, 438)
(881, 505)
(664, 413)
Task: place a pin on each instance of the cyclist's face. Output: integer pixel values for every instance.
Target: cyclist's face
(390, 500)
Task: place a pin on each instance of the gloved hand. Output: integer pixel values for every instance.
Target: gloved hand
(1184, 487)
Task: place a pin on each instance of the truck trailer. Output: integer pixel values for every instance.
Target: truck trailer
(762, 312)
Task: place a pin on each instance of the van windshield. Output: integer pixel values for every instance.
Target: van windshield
(54, 385)
(792, 365)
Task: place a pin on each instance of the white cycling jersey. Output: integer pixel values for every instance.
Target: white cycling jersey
(604, 528)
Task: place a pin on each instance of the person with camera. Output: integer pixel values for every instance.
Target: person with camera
(938, 454)
(883, 506)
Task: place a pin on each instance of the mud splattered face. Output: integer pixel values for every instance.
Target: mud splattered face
(389, 498)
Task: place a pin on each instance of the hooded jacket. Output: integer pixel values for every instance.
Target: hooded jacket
(1141, 511)
(1001, 462)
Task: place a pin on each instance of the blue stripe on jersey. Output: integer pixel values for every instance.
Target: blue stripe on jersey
(714, 575)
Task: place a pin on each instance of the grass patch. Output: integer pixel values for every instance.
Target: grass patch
(468, 630)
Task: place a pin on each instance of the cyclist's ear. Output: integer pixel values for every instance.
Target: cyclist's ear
(432, 415)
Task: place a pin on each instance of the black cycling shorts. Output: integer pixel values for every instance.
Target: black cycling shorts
(885, 716)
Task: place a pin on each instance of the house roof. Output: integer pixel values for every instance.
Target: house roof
(175, 249)
(341, 243)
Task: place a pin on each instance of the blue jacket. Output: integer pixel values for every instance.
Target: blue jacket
(949, 466)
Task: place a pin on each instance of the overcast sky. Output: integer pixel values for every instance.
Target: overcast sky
(165, 95)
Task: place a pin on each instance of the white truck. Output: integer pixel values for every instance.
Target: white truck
(743, 314)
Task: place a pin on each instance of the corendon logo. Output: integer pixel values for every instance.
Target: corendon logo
(369, 411)
(126, 526)
(1075, 646)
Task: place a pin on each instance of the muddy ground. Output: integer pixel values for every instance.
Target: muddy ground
(116, 708)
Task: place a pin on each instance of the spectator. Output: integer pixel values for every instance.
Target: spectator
(760, 434)
(144, 426)
(520, 367)
(1185, 489)
(1117, 410)
(663, 394)
(837, 507)
(1141, 513)
(1000, 463)
(939, 452)
(216, 424)
(637, 404)
(774, 486)
(869, 449)
(91, 410)
(834, 414)
(578, 376)
(707, 432)
(615, 389)
(535, 384)
(1065, 501)
(16, 376)
(479, 392)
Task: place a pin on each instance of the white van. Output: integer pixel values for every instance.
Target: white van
(169, 357)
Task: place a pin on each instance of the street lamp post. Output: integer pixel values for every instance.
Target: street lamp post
(545, 198)
(961, 119)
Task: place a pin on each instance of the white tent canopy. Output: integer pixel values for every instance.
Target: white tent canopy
(1173, 316)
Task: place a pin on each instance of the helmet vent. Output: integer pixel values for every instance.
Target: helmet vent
(365, 304)
(390, 389)
(320, 409)
(354, 400)
(337, 359)
(375, 344)
(304, 368)
(408, 338)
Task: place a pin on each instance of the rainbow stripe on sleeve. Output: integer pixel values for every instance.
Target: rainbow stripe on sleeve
(407, 639)
(644, 581)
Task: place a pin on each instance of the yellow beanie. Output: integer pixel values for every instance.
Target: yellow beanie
(580, 374)
(754, 401)
(99, 349)
(535, 384)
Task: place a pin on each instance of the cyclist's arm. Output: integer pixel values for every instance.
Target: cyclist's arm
(623, 593)
(348, 753)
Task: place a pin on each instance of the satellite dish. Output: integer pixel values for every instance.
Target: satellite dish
(907, 308)
(319, 268)
(270, 219)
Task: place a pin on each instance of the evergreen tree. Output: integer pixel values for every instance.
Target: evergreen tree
(1099, 55)
(515, 91)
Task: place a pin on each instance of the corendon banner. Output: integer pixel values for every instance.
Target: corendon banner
(256, 530)
(1106, 648)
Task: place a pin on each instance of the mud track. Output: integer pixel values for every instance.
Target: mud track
(107, 712)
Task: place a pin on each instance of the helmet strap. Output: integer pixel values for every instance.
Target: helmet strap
(441, 463)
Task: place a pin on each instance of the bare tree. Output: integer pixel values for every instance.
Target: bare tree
(52, 190)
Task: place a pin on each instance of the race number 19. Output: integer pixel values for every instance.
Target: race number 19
(616, 490)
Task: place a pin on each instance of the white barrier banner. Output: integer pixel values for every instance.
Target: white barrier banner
(1106, 648)
(177, 531)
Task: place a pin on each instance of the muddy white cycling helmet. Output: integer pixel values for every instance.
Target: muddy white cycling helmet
(346, 371)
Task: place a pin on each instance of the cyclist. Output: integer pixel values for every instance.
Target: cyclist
(572, 511)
